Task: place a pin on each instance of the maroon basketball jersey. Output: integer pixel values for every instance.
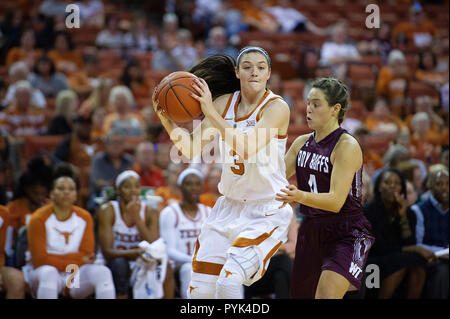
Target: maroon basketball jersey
(314, 169)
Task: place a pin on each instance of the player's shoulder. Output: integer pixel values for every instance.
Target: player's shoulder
(3, 210)
(347, 145)
(170, 209)
(348, 140)
(42, 213)
(222, 101)
(301, 140)
(81, 212)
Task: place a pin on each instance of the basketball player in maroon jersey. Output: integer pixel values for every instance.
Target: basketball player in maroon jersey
(334, 238)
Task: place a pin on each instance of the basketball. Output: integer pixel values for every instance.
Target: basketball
(174, 99)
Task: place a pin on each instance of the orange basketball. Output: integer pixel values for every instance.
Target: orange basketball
(174, 99)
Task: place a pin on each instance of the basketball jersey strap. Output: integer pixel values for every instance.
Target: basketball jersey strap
(232, 104)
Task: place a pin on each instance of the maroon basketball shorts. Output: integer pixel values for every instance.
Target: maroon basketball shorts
(330, 242)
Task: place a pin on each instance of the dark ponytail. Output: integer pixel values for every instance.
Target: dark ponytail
(335, 93)
(219, 73)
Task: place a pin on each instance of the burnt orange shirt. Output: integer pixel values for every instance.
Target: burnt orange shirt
(3, 226)
(18, 211)
(72, 239)
(17, 54)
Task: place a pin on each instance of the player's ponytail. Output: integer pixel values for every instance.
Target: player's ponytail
(219, 73)
(335, 93)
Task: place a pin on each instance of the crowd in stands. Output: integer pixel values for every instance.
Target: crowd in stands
(76, 112)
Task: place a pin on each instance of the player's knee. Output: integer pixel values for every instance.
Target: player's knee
(48, 273)
(201, 290)
(241, 267)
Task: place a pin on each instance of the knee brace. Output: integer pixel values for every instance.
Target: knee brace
(242, 266)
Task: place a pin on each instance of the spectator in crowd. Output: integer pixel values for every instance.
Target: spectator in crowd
(12, 27)
(430, 226)
(98, 123)
(185, 52)
(111, 37)
(275, 84)
(85, 80)
(61, 234)
(11, 279)
(393, 81)
(91, 12)
(19, 71)
(394, 250)
(66, 106)
(170, 28)
(339, 51)
(382, 122)
(212, 193)
(206, 11)
(411, 194)
(30, 194)
(276, 280)
(22, 119)
(371, 160)
(53, 8)
(171, 193)
(379, 44)
(427, 69)
(423, 138)
(121, 100)
(107, 164)
(162, 158)
(255, 15)
(164, 59)
(180, 225)
(123, 224)
(150, 175)
(418, 31)
(99, 98)
(139, 39)
(133, 78)
(217, 42)
(46, 79)
(291, 20)
(26, 52)
(66, 59)
(424, 103)
(78, 149)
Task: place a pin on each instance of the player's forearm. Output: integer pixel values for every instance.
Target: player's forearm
(181, 138)
(233, 137)
(324, 201)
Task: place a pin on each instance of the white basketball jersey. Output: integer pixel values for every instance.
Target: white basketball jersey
(125, 237)
(188, 228)
(264, 174)
(64, 237)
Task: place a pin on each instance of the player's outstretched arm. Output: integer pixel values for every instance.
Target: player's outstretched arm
(347, 160)
(291, 155)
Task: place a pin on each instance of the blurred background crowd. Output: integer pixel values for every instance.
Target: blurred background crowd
(79, 99)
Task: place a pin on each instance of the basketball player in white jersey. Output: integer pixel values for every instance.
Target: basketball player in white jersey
(180, 223)
(123, 224)
(245, 227)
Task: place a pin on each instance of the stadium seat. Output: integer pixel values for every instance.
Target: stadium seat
(33, 145)
(418, 88)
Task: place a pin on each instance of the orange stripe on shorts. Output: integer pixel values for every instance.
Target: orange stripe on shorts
(204, 267)
(245, 242)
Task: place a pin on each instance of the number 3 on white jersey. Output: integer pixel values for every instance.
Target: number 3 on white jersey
(312, 183)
